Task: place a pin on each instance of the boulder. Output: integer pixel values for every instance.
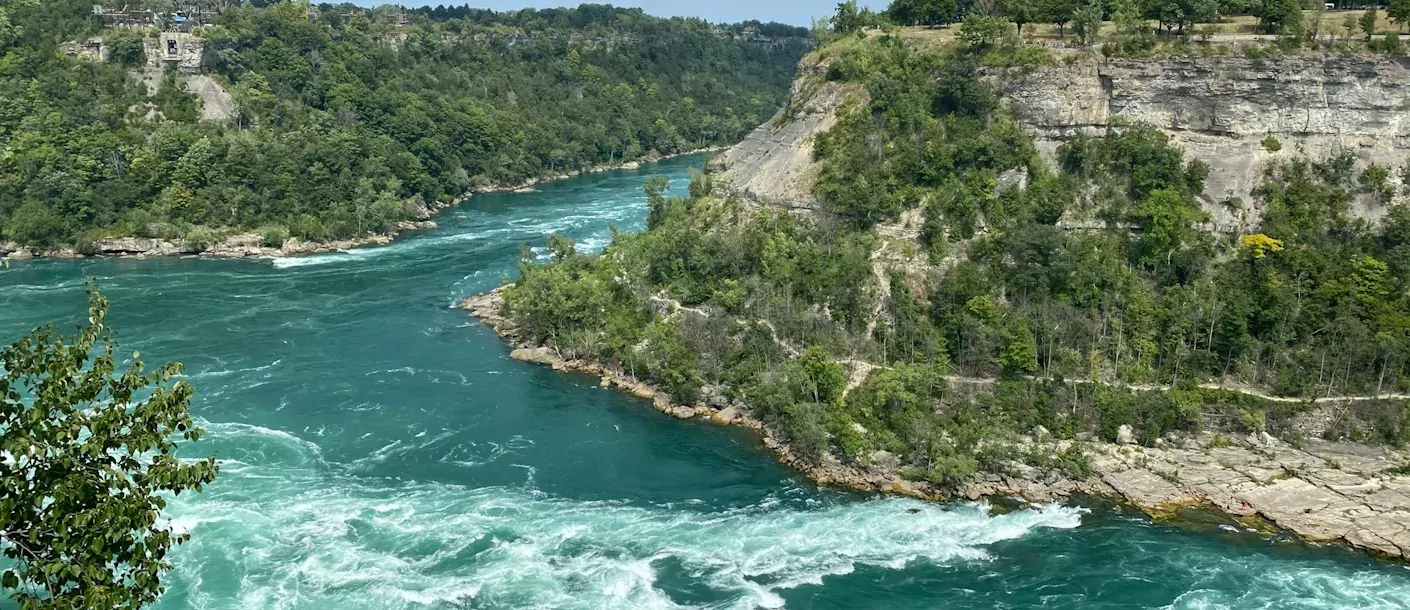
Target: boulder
(416, 208)
(726, 415)
(1125, 436)
(885, 460)
(536, 355)
(132, 246)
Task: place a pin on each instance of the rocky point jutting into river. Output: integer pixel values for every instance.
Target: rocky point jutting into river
(1218, 109)
(1320, 491)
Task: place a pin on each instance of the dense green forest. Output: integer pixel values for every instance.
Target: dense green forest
(1084, 330)
(348, 118)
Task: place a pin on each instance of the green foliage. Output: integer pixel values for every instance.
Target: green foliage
(1087, 22)
(670, 362)
(333, 122)
(1271, 144)
(1392, 45)
(92, 462)
(1133, 36)
(947, 138)
(273, 237)
(1019, 355)
(1368, 22)
(1376, 179)
(1280, 17)
(1399, 12)
(922, 12)
(1098, 271)
(814, 376)
(1058, 12)
(1176, 15)
(125, 48)
(850, 19)
(982, 30)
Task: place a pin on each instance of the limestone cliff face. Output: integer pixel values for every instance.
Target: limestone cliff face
(1218, 109)
(774, 164)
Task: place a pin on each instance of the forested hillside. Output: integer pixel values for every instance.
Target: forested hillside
(347, 118)
(946, 248)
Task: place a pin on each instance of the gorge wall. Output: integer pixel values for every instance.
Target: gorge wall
(1218, 109)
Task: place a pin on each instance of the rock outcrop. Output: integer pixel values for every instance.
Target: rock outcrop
(1220, 108)
(774, 164)
(1321, 491)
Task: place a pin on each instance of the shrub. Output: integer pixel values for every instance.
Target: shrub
(199, 240)
(273, 237)
(125, 48)
(1271, 144)
(807, 432)
(1075, 462)
(35, 224)
(1376, 179)
(308, 228)
(1392, 45)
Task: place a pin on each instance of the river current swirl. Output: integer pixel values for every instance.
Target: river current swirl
(379, 450)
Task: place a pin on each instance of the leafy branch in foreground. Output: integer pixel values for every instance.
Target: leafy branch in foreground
(87, 462)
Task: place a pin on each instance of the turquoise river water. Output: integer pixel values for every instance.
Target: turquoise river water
(379, 450)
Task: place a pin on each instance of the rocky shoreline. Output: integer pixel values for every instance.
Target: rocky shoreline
(1318, 491)
(250, 245)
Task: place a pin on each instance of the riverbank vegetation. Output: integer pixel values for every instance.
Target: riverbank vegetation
(349, 120)
(959, 290)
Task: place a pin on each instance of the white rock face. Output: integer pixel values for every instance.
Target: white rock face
(1219, 109)
(774, 164)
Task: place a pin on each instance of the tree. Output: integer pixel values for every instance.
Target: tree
(1280, 17)
(90, 463)
(253, 100)
(1132, 29)
(1166, 217)
(561, 247)
(125, 48)
(655, 188)
(1059, 12)
(1021, 12)
(1391, 45)
(922, 12)
(817, 378)
(1020, 352)
(1087, 22)
(1399, 12)
(980, 31)
(848, 18)
(1368, 23)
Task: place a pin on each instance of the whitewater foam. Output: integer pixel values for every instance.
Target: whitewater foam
(321, 539)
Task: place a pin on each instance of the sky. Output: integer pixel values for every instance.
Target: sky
(796, 12)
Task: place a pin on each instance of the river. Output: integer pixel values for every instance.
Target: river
(378, 449)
